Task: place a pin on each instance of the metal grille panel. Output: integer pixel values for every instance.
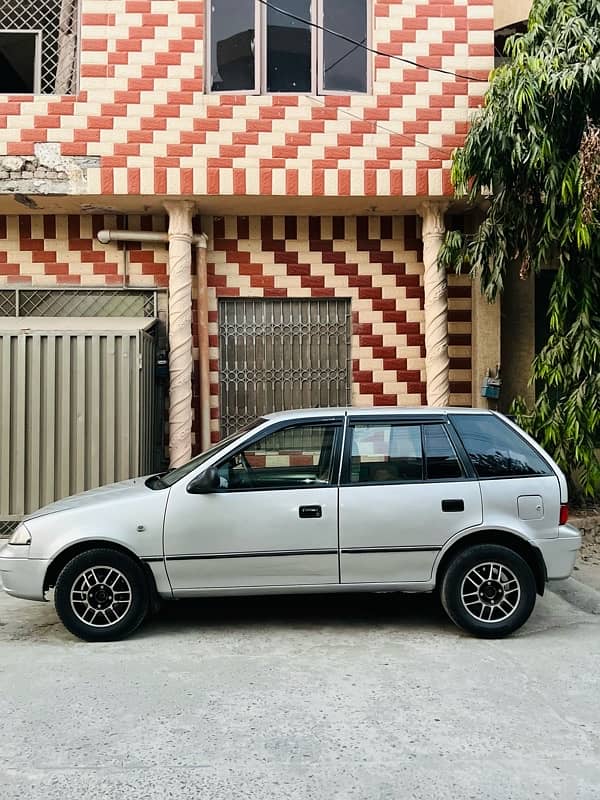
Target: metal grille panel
(76, 411)
(57, 21)
(277, 355)
(77, 303)
(7, 527)
(8, 304)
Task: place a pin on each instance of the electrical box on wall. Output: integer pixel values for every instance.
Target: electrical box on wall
(491, 385)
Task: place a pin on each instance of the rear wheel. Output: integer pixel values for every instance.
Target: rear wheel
(488, 590)
(102, 595)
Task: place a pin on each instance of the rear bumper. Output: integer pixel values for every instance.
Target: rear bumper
(21, 576)
(560, 554)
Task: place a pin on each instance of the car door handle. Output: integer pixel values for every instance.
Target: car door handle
(310, 512)
(453, 505)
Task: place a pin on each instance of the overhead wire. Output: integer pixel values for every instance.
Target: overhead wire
(366, 47)
(445, 151)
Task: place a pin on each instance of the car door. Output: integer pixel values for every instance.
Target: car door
(273, 521)
(404, 493)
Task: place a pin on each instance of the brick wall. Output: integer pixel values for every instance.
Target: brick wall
(50, 250)
(374, 261)
(142, 110)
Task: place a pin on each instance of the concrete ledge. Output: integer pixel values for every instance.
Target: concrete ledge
(577, 594)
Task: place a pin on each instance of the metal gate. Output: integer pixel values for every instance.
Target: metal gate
(277, 355)
(76, 407)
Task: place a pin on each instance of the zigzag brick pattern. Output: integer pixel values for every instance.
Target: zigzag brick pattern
(142, 108)
(373, 261)
(51, 250)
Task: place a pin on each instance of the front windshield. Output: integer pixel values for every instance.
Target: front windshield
(174, 475)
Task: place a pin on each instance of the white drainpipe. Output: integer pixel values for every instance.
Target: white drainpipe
(106, 236)
(180, 331)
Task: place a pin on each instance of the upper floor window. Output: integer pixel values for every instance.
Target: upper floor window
(38, 46)
(258, 47)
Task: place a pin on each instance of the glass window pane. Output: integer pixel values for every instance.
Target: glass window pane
(174, 475)
(386, 453)
(345, 64)
(496, 450)
(289, 48)
(441, 460)
(232, 45)
(292, 458)
(17, 62)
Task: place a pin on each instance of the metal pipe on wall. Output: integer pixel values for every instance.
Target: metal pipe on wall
(203, 341)
(180, 216)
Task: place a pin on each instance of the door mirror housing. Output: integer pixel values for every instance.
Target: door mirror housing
(205, 483)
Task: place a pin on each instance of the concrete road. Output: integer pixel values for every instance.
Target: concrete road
(345, 698)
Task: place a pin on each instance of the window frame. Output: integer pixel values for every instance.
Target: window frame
(316, 60)
(319, 68)
(346, 467)
(462, 448)
(447, 430)
(37, 59)
(337, 424)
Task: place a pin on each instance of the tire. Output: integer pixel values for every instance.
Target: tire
(488, 590)
(102, 595)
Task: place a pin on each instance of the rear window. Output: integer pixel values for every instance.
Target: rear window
(495, 449)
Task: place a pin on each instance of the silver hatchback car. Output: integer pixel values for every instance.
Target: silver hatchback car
(455, 500)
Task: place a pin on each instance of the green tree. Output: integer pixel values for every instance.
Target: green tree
(534, 152)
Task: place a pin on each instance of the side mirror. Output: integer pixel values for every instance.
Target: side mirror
(209, 481)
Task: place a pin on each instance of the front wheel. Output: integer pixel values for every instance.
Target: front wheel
(488, 590)
(102, 595)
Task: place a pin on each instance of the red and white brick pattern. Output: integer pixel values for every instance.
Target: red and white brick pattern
(374, 261)
(143, 110)
(49, 250)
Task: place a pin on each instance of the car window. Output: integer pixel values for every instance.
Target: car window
(441, 461)
(176, 474)
(495, 449)
(296, 457)
(386, 454)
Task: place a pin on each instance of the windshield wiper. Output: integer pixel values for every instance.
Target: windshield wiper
(156, 481)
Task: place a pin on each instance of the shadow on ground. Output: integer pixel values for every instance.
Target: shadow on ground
(305, 611)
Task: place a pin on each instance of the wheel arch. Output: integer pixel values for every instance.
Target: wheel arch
(57, 564)
(529, 552)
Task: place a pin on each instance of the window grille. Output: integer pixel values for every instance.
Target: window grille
(57, 25)
(7, 526)
(277, 355)
(77, 303)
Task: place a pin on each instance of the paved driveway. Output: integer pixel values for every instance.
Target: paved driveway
(333, 697)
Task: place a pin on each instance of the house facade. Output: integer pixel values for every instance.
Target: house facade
(277, 173)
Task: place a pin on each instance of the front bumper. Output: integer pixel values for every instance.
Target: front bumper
(560, 554)
(21, 576)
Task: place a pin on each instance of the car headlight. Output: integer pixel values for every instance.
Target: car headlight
(20, 535)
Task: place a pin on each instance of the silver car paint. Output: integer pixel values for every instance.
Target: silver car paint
(132, 515)
(405, 516)
(230, 524)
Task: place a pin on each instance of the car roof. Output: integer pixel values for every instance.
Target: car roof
(384, 411)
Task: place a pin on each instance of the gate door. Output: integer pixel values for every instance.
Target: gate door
(276, 355)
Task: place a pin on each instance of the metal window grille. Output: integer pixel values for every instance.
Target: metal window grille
(277, 355)
(57, 21)
(7, 527)
(77, 303)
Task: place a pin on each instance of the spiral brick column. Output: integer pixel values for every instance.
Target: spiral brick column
(437, 362)
(180, 330)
